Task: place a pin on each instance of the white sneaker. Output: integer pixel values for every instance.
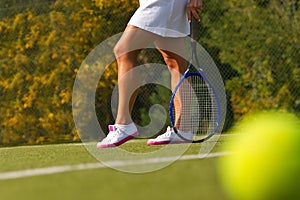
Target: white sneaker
(170, 137)
(118, 134)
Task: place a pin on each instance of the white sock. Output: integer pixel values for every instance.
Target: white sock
(130, 128)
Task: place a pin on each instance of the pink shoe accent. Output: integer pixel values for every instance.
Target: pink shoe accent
(129, 137)
(111, 128)
(150, 142)
(153, 142)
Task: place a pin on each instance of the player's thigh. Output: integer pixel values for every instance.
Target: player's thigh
(171, 46)
(173, 52)
(133, 39)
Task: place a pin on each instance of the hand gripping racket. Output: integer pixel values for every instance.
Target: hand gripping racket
(199, 109)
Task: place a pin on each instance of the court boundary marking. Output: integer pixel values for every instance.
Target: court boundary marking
(87, 166)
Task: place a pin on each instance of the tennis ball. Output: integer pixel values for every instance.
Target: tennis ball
(265, 159)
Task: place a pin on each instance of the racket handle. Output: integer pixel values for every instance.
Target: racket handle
(194, 28)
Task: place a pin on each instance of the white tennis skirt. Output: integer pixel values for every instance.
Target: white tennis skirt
(166, 18)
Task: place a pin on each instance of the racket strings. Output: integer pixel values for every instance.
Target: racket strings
(198, 107)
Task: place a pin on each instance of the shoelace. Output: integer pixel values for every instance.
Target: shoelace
(167, 133)
(112, 134)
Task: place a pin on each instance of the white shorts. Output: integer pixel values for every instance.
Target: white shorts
(166, 18)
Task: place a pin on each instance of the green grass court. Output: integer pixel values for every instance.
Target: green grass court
(184, 179)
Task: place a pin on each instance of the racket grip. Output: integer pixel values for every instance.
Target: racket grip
(194, 26)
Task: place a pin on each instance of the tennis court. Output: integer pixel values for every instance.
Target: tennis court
(254, 44)
(68, 171)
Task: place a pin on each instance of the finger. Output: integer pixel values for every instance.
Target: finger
(195, 15)
(193, 8)
(190, 13)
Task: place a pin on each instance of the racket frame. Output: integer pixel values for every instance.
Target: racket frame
(187, 74)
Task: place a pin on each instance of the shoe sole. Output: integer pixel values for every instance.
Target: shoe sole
(151, 143)
(129, 137)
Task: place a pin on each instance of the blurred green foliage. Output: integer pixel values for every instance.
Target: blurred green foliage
(41, 51)
(260, 41)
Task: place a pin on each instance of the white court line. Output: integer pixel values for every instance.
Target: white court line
(78, 167)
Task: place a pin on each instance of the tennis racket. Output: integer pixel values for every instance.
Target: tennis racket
(199, 109)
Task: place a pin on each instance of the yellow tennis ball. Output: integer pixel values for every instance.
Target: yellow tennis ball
(265, 160)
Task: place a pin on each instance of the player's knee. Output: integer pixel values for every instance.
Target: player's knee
(171, 62)
(123, 52)
(118, 50)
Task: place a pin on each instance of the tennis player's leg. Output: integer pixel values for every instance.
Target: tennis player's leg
(176, 67)
(172, 50)
(126, 51)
